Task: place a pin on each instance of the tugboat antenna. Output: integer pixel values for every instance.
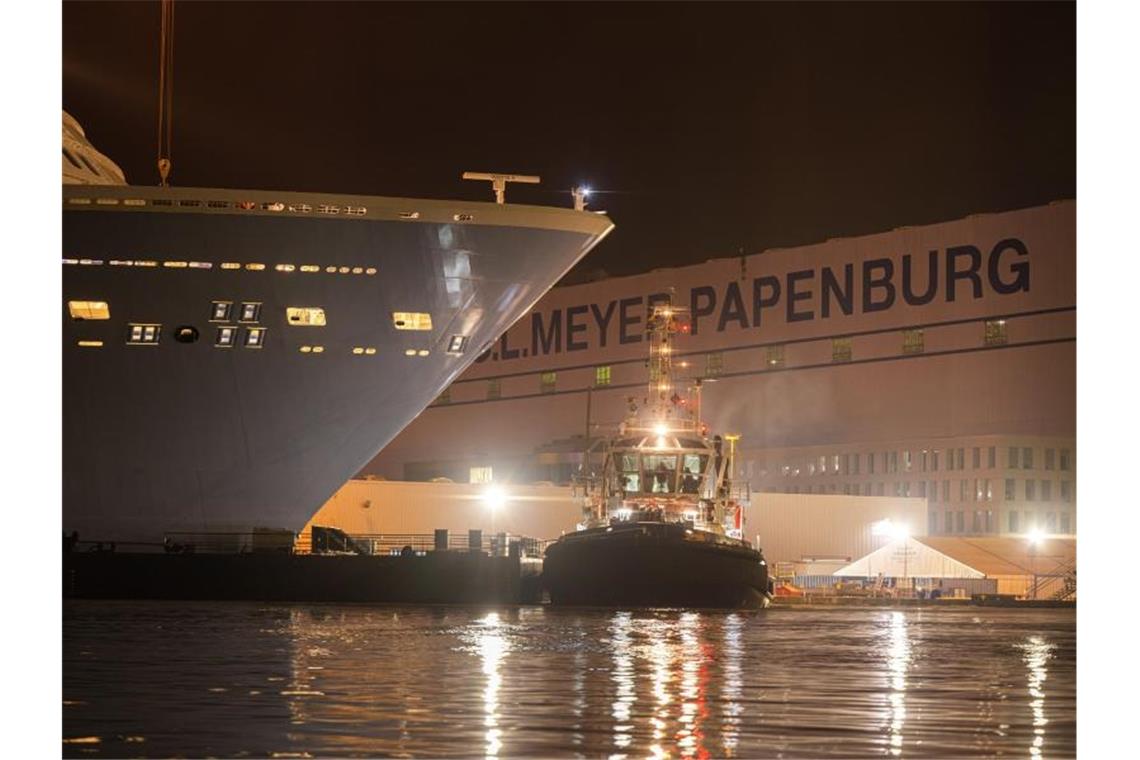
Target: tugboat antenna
(165, 92)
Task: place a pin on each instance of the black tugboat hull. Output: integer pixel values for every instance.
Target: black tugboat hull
(653, 565)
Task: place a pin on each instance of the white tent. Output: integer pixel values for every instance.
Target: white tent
(908, 558)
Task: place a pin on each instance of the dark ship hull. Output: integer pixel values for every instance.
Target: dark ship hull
(652, 564)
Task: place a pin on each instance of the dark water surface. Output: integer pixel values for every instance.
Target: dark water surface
(230, 679)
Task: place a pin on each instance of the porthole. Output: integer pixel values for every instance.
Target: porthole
(186, 334)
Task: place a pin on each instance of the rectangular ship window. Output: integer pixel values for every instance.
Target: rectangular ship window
(547, 383)
(143, 335)
(494, 389)
(225, 337)
(774, 356)
(995, 334)
(602, 375)
(220, 311)
(254, 337)
(913, 342)
(457, 344)
(714, 364)
(305, 316)
(411, 320)
(840, 349)
(250, 312)
(89, 309)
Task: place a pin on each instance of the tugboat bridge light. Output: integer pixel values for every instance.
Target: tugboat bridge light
(1035, 536)
(495, 498)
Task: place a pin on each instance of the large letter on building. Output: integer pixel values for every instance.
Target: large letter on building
(625, 320)
(793, 296)
(548, 338)
(830, 287)
(573, 328)
(1020, 269)
(884, 282)
(971, 274)
(931, 280)
(758, 299)
(733, 309)
(708, 294)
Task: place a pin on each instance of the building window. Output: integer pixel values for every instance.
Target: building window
(907, 461)
(1013, 521)
(991, 458)
(978, 494)
(945, 490)
(457, 344)
(250, 312)
(962, 487)
(143, 335)
(602, 375)
(913, 342)
(961, 521)
(1027, 459)
(921, 489)
(835, 463)
(871, 463)
(305, 316)
(1065, 460)
(933, 522)
(1066, 491)
(989, 490)
(1010, 489)
(1050, 522)
(1013, 452)
(225, 337)
(1050, 458)
(934, 460)
(840, 349)
(1030, 489)
(846, 464)
(976, 527)
(220, 311)
(411, 320)
(774, 356)
(547, 382)
(977, 458)
(950, 460)
(894, 461)
(933, 491)
(1066, 525)
(714, 364)
(480, 475)
(961, 459)
(995, 332)
(83, 310)
(949, 522)
(1046, 490)
(254, 337)
(494, 389)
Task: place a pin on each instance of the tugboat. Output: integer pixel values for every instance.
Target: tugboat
(662, 519)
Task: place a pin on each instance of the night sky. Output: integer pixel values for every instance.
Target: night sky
(717, 127)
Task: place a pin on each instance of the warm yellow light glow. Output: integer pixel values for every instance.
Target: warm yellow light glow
(305, 316)
(255, 267)
(306, 349)
(330, 270)
(1035, 536)
(422, 352)
(231, 265)
(344, 270)
(410, 352)
(358, 350)
(495, 498)
(318, 349)
(411, 320)
(358, 270)
(175, 264)
(146, 263)
(89, 309)
(660, 428)
(284, 267)
(91, 343)
(310, 268)
(370, 270)
(370, 351)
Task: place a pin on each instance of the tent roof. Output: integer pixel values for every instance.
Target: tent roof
(908, 557)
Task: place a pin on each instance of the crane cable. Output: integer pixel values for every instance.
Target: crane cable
(165, 92)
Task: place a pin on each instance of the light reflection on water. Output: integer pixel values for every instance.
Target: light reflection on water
(226, 679)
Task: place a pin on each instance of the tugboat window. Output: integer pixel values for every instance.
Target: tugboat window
(660, 473)
(185, 334)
